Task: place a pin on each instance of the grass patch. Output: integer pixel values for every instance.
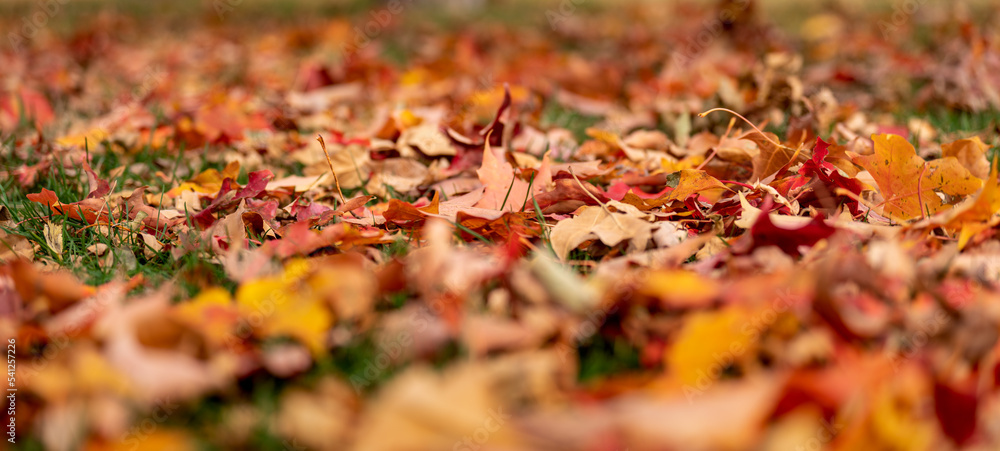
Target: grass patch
(605, 356)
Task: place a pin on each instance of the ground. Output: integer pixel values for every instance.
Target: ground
(573, 224)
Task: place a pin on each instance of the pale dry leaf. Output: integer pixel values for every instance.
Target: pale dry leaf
(158, 373)
(627, 223)
(402, 175)
(563, 285)
(427, 138)
(15, 246)
(301, 184)
(468, 403)
(686, 422)
(352, 162)
(54, 236)
(321, 419)
(971, 154)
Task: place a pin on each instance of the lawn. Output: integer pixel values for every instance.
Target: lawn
(500, 225)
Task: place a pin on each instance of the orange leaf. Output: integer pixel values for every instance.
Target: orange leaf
(708, 343)
(690, 181)
(977, 215)
(971, 153)
(908, 183)
(504, 190)
(86, 210)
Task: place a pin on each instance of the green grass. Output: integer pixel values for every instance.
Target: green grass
(605, 356)
(555, 115)
(953, 121)
(128, 250)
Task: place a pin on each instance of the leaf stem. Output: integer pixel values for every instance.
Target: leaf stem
(705, 113)
(330, 162)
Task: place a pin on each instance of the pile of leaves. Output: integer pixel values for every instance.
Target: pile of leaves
(603, 232)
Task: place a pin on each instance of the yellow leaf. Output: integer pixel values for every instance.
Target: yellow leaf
(687, 163)
(90, 138)
(209, 181)
(306, 320)
(908, 183)
(212, 313)
(690, 181)
(161, 439)
(977, 215)
(262, 295)
(677, 288)
(277, 306)
(93, 373)
(53, 236)
(971, 153)
(894, 423)
(708, 343)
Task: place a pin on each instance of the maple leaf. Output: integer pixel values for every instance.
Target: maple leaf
(501, 228)
(770, 157)
(705, 337)
(407, 216)
(764, 232)
(286, 309)
(971, 153)
(975, 214)
(568, 195)
(829, 175)
(687, 182)
(90, 210)
(625, 223)
(907, 183)
(504, 190)
(208, 181)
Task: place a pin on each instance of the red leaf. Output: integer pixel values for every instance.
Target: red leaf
(955, 407)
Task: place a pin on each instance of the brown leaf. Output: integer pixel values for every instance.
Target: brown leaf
(770, 157)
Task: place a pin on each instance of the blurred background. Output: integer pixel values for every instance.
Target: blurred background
(254, 81)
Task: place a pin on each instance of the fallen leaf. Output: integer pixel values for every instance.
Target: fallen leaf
(770, 157)
(708, 344)
(971, 154)
(898, 171)
(688, 182)
(504, 190)
(626, 223)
